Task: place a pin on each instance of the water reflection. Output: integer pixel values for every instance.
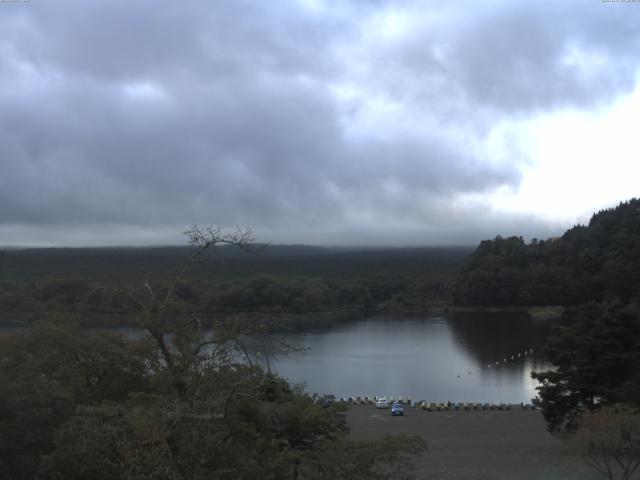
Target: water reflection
(435, 359)
(499, 336)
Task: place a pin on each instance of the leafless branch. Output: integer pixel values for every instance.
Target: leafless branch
(229, 396)
(147, 285)
(243, 349)
(204, 238)
(201, 345)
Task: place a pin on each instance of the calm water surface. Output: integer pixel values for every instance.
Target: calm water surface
(434, 359)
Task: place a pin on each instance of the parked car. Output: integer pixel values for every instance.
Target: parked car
(328, 400)
(397, 409)
(382, 402)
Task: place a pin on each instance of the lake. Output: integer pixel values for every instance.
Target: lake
(434, 359)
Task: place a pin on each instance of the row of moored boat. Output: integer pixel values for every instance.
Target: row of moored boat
(437, 406)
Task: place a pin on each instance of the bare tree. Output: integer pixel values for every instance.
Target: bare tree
(254, 339)
(157, 309)
(610, 442)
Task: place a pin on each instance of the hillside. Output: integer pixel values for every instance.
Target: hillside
(586, 264)
(38, 283)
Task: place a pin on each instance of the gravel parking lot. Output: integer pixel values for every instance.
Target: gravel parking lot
(477, 444)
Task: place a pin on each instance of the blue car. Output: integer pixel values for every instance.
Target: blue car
(328, 400)
(397, 410)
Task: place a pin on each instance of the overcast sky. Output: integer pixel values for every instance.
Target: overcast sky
(323, 122)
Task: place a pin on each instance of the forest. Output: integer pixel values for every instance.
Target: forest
(77, 405)
(593, 271)
(307, 283)
(587, 263)
(174, 405)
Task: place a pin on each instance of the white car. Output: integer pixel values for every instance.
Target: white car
(382, 402)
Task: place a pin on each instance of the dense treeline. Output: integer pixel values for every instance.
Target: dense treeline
(79, 406)
(585, 264)
(36, 284)
(266, 294)
(596, 352)
(593, 270)
(131, 264)
(177, 404)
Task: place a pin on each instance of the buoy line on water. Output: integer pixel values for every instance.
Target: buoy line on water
(508, 358)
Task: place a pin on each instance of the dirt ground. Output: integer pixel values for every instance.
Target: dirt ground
(477, 444)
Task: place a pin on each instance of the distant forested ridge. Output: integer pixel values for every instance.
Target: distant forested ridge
(587, 263)
(36, 284)
(180, 403)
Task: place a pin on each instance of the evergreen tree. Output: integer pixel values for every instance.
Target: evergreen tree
(596, 358)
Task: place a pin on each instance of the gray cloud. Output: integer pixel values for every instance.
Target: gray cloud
(121, 122)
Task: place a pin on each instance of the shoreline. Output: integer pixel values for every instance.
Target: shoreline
(287, 322)
(533, 312)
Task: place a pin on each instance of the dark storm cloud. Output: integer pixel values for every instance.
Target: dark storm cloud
(125, 120)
